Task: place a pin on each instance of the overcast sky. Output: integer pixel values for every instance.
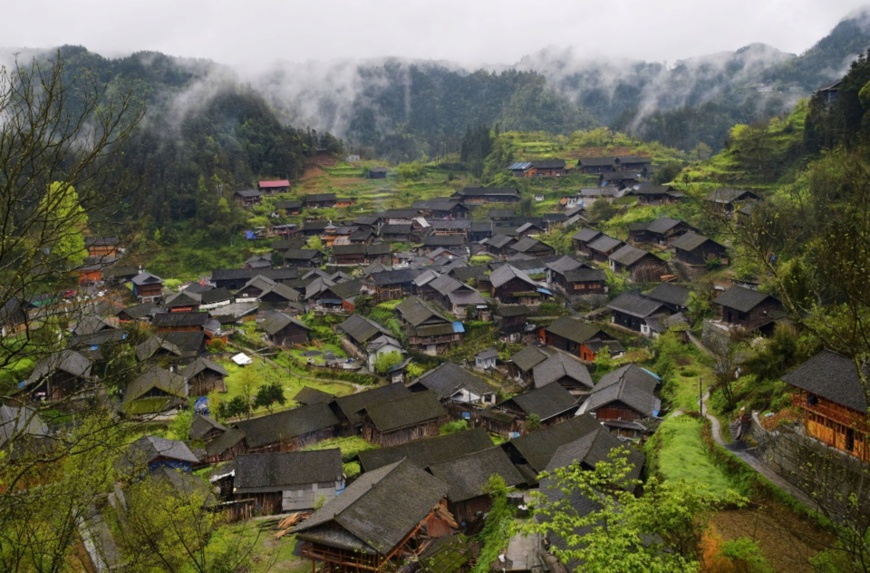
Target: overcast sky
(258, 32)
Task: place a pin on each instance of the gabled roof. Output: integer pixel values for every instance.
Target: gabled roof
(351, 405)
(394, 276)
(596, 161)
(468, 475)
(488, 192)
(604, 244)
(429, 450)
(573, 329)
(377, 511)
(742, 299)
(309, 395)
(538, 447)
(528, 358)
(18, 422)
(149, 448)
(449, 378)
(202, 364)
(500, 241)
(144, 278)
(179, 319)
(585, 275)
(593, 448)
(630, 385)
(545, 402)
(418, 408)
(68, 361)
(91, 325)
(565, 263)
(659, 226)
(510, 310)
(628, 255)
(156, 378)
(362, 329)
(139, 311)
(274, 322)
(727, 195)
(415, 312)
(831, 376)
(202, 425)
(691, 241)
(635, 304)
(271, 184)
(183, 298)
(559, 365)
(586, 235)
(669, 293)
(527, 244)
(287, 425)
(276, 471)
(507, 273)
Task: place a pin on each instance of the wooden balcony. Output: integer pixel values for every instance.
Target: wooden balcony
(831, 411)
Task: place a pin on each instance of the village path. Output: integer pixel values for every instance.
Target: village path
(739, 450)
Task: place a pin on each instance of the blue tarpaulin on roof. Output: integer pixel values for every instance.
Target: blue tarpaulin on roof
(250, 235)
(201, 405)
(458, 327)
(545, 291)
(653, 374)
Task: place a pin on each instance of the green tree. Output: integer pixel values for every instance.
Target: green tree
(61, 229)
(658, 531)
(601, 211)
(386, 360)
(270, 394)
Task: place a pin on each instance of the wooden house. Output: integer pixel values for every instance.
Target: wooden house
(205, 428)
(635, 311)
(150, 453)
(498, 244)
(641, 266)
(547, 168)
(419, 415)
(574, 278)
(62, 375)
(428, 451)
(426, 329)
(444, 208)
(174, 347)
(648, 194)
(582, 238)
(674, 297)
(184, 301)
(728, 200)
(468, 476)
(359, 332)
(832, 400)
(627, 394)
(748, 309)
(147, 287)
(591, 449)
(578, 338)
(697, 250)
(453, 383)
(247, 197)
(180, 321)
(512, 318)
(550, 404)
(638, 163)
(378, 173)
(661, 231)
(13, 316)
(319, 200)
(521, 364)
(290, 206)
(204, 376)
(596, 165)
(234, 279)
(284, 330)
(563, 369)
(348, 408)
(532, 452)
(103, 248)
(601, 248)
(273, 186)
(155, 390)
(485, 195)
(381, 519)
(302, 257)
(512, 286)
(531, 247)
(283, 482)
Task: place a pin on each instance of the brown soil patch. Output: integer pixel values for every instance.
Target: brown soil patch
(787, 540)
(313, 171)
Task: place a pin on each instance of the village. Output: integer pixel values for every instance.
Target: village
(372, 364)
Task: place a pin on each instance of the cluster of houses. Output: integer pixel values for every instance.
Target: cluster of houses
(418, 487)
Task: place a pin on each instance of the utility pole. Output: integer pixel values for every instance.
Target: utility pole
(701, 395)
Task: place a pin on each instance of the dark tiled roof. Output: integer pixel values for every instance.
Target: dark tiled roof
(628, 255)
(362, 329)
(418, 408)
(156, 378)
(528, 358)
(277, 470)
(727, 195)
(309, 395)
(545, 402)
(634, 304)
(449, 378)
(831, 376)
(509, 310)
(593, 448)
(585, 235)
(275, 322)
(573, 329)
(149, 448)
(179, 319)
(604, 244)
(630, 385)
(351, 405)
(538, 447)
(468, 475)
(742, 299)
(201, 365)
(660, 225)
(377, 511)
(507, 273)
(202, 425)
(287, 425)
(428, 451)
(670, 294)
(560, 365)
(415, 312)
(691, 241)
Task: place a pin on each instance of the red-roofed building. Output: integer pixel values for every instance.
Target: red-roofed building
(272, 187)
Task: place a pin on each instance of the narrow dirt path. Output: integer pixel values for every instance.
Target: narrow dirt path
(738, 450)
